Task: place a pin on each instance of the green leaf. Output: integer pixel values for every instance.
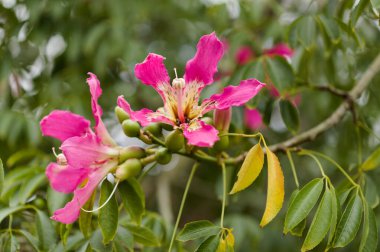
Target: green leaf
(109, 214)
(55, 200)
(290, 115)
(143, 235)
(303, 203)
(197, 229)
(355, 14)
(334, 209)
(255, 70)
(11, 244)
(1, 176)
(9, 210)
(349, 223)
(97, 244)
(125, 238)
(133, 197)
(369, 239)
(250, 169)
(302, 31)
(155, 223)
(31, 239)
(209, 245)
(298, 230)
(321, 222)
(28, 189)
(372, 162)
(280, 72)
(268, 111)
(45, 231)
(375, 4)
(85, 218)
(370, 192)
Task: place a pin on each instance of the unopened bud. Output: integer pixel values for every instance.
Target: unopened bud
(131, 128)
(163, 156)
(131, 152)
(121, 114)
(154, 128)
(174, 140)
(222, 119)
(128, 169)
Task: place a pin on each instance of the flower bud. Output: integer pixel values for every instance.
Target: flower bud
(131, 128)
(154, 128)
(167, 127)
(222, 119)
(163, 156)
(131, 152)
(128, 169)
(222, 144)
(174, 140)
(121, 114)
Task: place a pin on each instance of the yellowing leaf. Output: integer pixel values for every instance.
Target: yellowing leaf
(226, 242)
(251, 168)
(230, 239)
(275, 194)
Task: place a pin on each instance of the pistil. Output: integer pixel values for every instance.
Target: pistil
(178, 84)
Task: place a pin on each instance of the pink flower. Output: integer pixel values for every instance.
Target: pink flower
(280, 50)
(252, 119)
(243, 55)
(181, 108)
(88, 156)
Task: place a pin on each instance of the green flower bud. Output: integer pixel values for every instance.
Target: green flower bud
(39, 203)
(174, 140)
(128, 169)
(131, 128)
(121, 114)
(163, 156)
(167, 127)
(131, 152)
(222, 144)
(154, 128)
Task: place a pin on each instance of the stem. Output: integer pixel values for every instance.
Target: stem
(305, 152)
(223, 165)
(195, 166)
(340, 168)
(241, 134)
(360, 152)
(289, 154)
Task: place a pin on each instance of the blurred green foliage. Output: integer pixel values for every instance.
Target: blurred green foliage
(47, 47)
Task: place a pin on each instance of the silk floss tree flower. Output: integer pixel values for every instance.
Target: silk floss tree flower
(87, 156)
(181, 99)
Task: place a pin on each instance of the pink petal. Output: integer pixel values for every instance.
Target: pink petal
(70, 212)
(152, 70)
(253, 119)
(233, 95)
(273, 91)
(243, 55)
(200, 134)
(144, 116)
(64, 124)
(203, 65)
(87, 151)
(65, 178)
(280, 50)
(97, 111)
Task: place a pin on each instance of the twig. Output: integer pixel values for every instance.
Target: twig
(337, 115)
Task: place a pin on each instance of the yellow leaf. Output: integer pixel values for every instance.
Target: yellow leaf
(230, 239)
(226, 242)
(251, 168)
(275, 194)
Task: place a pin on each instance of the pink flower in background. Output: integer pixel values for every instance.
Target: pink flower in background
(181, 108)
(280, 50)
(243, 55)
(252, 119)
(88, 156)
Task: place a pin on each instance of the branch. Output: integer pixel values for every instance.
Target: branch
(337, 115)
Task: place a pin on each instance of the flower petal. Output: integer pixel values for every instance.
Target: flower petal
(70, 212)
(152, 70)
(144, 116)
(202, 67)
(200, 134)
(280, 50)
(87, 151)
(97, 111)
(253, 119)
(243, 55)
(65, 178)
(233, 95)
(62, 124)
